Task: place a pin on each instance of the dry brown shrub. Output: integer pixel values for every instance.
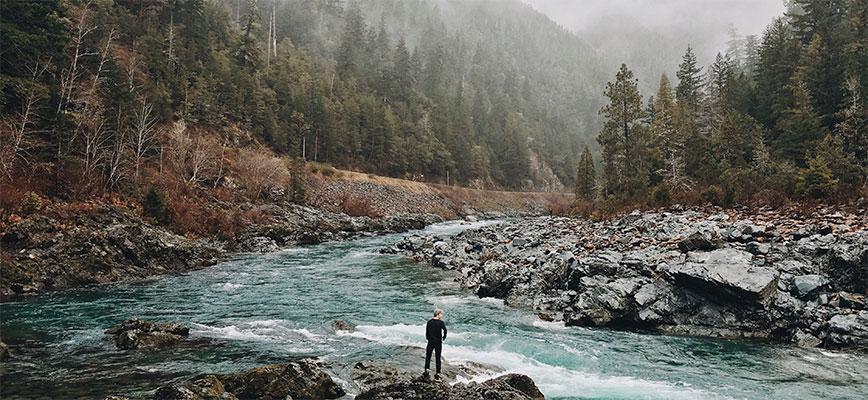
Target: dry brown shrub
(769, 198)
(259, 171)
(560, 206)
(358, 206)
(11, 197)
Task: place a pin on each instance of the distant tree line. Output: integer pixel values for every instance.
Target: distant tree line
(783, 117)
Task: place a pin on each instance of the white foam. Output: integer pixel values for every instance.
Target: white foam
(270, 330)
(550, 325)
(231, 287)
(306, 333)
(459, 300)
(833, 355)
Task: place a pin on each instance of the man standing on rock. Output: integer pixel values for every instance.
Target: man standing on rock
(435, 340)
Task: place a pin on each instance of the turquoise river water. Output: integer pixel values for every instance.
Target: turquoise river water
(259, 309)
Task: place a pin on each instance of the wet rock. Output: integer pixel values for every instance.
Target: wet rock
(726, 276)
(299, 380)
(848, 331)
(341, 325)
(387, 383)
(208, 387)
(139, 334)
(4, 351)
(806, 285)
(848, 265)
(604, 304)
(102, 244)
(496, 281)
(303, 379)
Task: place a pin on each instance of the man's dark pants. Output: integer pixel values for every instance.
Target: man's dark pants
(436, 347)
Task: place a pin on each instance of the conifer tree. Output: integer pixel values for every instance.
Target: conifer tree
(622, 137)
(585, 176)
(800, 127)
(689, 87)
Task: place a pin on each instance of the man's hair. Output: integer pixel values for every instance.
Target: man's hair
(438, 312)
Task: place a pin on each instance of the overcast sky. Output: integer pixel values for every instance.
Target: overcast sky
(748, 16)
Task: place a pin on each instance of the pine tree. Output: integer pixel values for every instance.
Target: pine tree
(799, 127)
(352, 45)
(585, 176)
(778, 60)
(622, 137)
(689, 87)
(817, 180)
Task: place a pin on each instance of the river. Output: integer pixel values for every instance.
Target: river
(259, 309)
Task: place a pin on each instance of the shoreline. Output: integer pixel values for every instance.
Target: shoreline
(699, 273)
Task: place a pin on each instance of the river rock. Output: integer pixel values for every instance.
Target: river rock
(387, 383)
(726, 276)
(208, 387)
(700, 241)
(807, 285)
(341, 325)
(304, 379)
(848, 331)
(298, 380)
(137, 334)
(4, 351)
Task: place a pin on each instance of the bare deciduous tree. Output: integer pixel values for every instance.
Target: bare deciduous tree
(116, 157)
(143, 136)
(194, 159)
(15, 130)
(259, 171)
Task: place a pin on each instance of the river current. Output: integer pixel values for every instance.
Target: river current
(259, 309)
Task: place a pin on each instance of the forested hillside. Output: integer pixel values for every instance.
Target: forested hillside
(490, 94)
(118, 96)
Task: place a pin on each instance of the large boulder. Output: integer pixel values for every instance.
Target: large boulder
(604, 304)
(807, 285)
(496, 280)
(138, 334)
(208, 387)
(299, 380)
(507, 387)
(848, 265)
(303, 379)
(726, 276)
(848, 331)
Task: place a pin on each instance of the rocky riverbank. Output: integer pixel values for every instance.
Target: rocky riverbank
(99, 243)
(764, 275)
(313, 379)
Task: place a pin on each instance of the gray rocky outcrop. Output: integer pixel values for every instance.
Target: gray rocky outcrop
(732, 274)
(380, 382)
